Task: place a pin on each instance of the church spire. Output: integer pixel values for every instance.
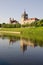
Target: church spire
(24, 11)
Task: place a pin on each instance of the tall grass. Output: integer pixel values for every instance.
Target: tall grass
(34, 33)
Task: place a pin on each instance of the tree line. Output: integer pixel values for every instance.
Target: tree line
(18, 25)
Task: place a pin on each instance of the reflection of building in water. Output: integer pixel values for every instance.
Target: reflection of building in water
(24, 43)
(12, 41)
(23, 46)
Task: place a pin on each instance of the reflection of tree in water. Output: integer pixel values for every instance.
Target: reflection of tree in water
(3, 37)
(41, 44)
(37, 43)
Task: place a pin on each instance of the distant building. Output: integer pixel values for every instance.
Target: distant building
(25, 19)
(13, 21)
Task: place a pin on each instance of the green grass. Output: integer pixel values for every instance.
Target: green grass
(33, 33)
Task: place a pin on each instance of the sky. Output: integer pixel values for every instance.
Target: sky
(15, 8)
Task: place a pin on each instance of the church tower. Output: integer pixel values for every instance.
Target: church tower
(24, 17)
(26, 20)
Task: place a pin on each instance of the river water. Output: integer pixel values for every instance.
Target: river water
(19, 51)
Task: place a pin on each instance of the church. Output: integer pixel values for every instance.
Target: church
(26, 20)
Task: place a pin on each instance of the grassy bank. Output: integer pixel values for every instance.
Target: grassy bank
(34, 33)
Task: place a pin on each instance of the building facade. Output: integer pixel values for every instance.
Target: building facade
(25, 19)
(12, 21)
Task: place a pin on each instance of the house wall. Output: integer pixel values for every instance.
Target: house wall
(26, 21)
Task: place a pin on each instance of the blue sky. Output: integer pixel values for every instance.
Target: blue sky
(14, 9)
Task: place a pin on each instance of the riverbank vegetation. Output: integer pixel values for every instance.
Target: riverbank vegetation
(34, 33)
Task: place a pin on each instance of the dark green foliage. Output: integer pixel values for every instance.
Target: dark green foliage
(18, 25)
(25, 25)
(0, 25)
(34, 23)
(11, 25)
(37, 23)
(40, 23)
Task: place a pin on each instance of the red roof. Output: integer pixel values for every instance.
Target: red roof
(33, 19)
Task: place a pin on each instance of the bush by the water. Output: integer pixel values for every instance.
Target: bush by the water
(37, 23)
(10, 25)
(25, 25)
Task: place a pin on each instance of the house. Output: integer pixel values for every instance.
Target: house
(12, 21)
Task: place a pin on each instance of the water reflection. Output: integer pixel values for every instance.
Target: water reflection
(12, 40)
(19, 51)
(24, 43)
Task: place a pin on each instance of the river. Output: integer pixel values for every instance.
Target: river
(20, 51)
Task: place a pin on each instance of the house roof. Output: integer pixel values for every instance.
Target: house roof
(32, 19)
(13, 21)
